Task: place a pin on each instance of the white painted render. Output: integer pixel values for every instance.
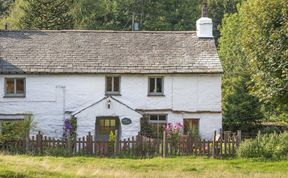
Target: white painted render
(49, 96)
(204, 27)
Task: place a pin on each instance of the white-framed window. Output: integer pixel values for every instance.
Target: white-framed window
(15, 87)
(112, 85)
(155, 86)
(157, 123)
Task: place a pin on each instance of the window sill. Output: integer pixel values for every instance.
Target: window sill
(152, 94)
(112, 94)
(7, 96)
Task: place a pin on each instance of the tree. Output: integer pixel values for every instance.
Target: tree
(217, 10)
(4, 7)
(46, 14)
(103, 14)
(150, 14)
(264, 24)
(241, 110)
(171, 15)
(15, 13)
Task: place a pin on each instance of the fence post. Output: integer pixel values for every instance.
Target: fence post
(27, 142)
(214, 144)
(69, 143)
(115, 142)
(164, 144)
(238, 137)
(89, 143)
(39, 142)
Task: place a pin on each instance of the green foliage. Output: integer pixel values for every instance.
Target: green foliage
(16, 130)
(111, 142)
(150, 14)
(46, 14)
(171, 15)
(57, 151)
(267, 146)
(194, 134)
(4, 7)
(264, 25)
(241, 110)
(73, 121)
(270, 130)
(217, 10)
(254, 44)
(146, 128)
(15, 14)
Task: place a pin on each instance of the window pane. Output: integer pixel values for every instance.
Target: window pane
(109, 84)
(112, 123)
(162, 118)
(20, 86)
(116, 84)
(154, 117)
(159, 85)
(100, 122)
(107, 124)
(191, 126)
(151, 85)
(9, 86)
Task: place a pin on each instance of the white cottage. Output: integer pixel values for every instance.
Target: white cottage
(111, 80)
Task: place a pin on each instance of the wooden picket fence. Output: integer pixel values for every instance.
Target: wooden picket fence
(223, 145)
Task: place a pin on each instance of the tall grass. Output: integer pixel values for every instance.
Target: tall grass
(26, 166)
(268, 146)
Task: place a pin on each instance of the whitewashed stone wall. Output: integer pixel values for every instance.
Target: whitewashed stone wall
(86, 119)
(48, 96)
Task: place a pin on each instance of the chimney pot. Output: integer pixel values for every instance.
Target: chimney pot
(204, 25)
(205, 10)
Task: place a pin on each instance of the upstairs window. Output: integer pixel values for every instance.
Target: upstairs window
(112, 85)
(156, 86)
(14, 87)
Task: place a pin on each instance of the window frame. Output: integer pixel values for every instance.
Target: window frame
(14, 95)
(155, 83)
(158, 123)
(103, 129)
(197, 120)
(106, 84)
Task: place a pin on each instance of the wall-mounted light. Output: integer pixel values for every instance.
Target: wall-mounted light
(108, 103)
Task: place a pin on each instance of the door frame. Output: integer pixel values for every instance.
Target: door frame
(105, 137)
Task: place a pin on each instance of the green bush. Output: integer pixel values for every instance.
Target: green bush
(16, 129)
(268, 146)
(57, 152)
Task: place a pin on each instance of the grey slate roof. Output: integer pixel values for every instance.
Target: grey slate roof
(106, 52)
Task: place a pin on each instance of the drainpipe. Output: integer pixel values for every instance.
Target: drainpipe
(64, 99)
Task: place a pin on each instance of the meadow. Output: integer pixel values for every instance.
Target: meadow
(47, 166)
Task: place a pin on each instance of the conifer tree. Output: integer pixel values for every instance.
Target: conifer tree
(46, 14)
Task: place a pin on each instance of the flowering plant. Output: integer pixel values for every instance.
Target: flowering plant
(174, 130)
(67, 128)
(173, 133)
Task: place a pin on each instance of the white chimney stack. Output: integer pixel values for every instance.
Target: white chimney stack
(204, 25)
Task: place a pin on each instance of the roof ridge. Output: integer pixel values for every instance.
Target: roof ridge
(99, 31)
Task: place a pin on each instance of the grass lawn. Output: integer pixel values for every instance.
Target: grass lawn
(28, 166)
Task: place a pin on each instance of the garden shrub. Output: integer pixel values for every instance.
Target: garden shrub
(270, 130)
(111, 143)
(57, 151)
(16, 130)
(268, 146)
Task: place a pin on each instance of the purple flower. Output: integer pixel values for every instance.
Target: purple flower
(67, 128)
